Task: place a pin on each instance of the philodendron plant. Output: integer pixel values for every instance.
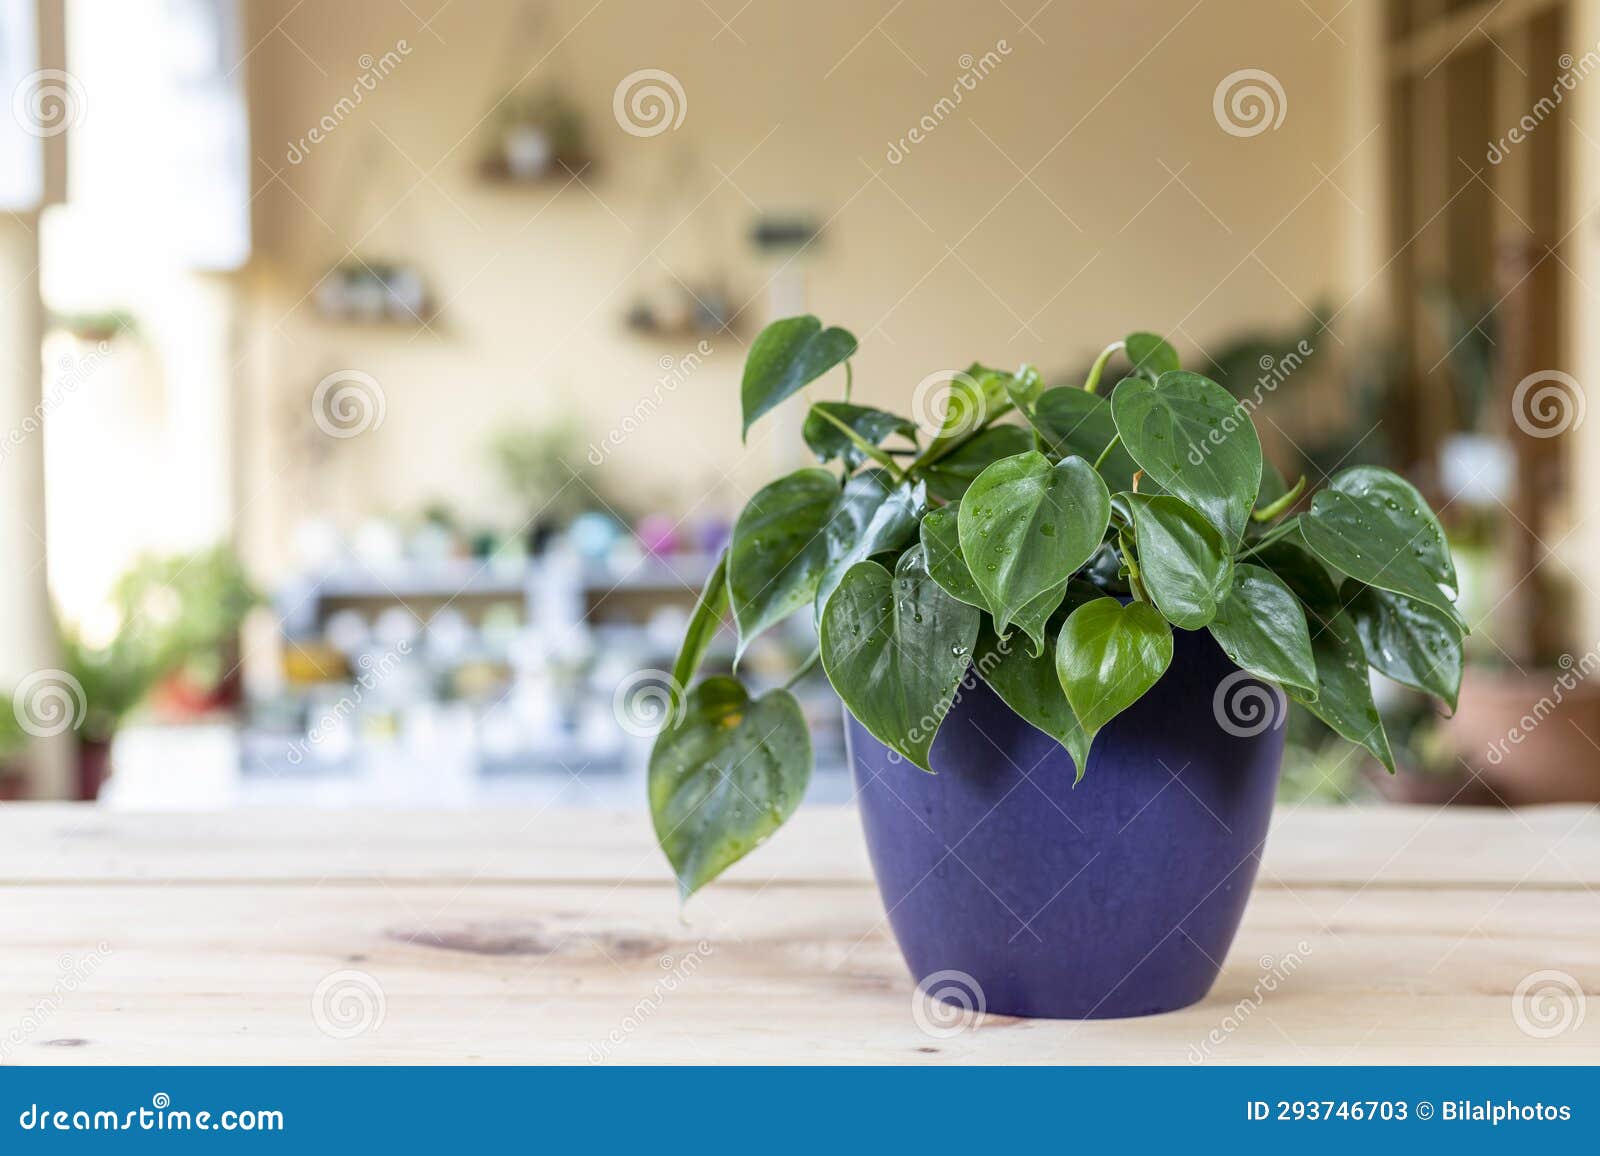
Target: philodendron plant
(1050, 540)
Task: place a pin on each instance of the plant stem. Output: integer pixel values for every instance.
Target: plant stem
(1092, 382)
(1136, 586)
(849, 379)
(1105, 453)
(862, 444)
(1276, 509)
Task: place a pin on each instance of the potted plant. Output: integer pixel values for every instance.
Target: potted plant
(1062, 623)
(189, 609)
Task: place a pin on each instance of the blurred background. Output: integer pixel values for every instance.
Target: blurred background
(369, 404)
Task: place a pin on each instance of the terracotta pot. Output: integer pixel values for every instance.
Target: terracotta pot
(1531, 736)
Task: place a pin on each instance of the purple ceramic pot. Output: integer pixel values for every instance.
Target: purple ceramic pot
(1119, 897)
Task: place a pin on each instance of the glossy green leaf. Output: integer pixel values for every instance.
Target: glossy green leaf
(1196, 442)
(941, 545)
(778, 552)
(1344, 698)
(1026, 525)
(1150, 355)
(1410, 641)
(703, 625)
(725, 776)
(1028, 684)
(1071, 421)
(1373, 526)
(949, 477)
(1262, 628)
(785, 357)
(1183, 561)
(873, 426)
(895, 646)
(1107, 656)
(872, 516)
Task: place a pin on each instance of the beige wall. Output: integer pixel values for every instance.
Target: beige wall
(1139, 212)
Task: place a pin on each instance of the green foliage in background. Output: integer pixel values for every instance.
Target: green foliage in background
(1053, 539)
(179, 612)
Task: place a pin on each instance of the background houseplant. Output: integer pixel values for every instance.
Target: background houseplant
(1063, 544)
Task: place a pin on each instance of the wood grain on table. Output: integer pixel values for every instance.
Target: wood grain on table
(555, 937)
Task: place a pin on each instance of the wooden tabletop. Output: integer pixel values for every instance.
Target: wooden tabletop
(555, 937)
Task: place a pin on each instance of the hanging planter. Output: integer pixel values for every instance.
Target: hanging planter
(540, 138)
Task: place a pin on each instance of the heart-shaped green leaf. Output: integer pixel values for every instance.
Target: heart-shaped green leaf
(873, 515)
(1344, 696)
(1026, 525)
(703, 625)
(828, 441)
(1262, 628)
(941, 547)
(1373, 526)
(777, 553)
(1028, 684)
(1107, 656)
(895, 647)
(1183, 562)
(1410, 641)
(949, 477)
(787, 356)
(941, 544)
(1073, 421)
(1196, 442)
(1151, 355)
(726, 776)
